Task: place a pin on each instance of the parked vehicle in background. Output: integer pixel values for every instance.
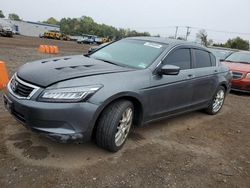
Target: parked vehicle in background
(87, 39)
(239, 64)
(74, 38)
(41, 35)
(221, 53)
(6, 29)
(133, 81)
(55, 35)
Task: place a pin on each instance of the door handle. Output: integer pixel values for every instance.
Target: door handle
(215, 71)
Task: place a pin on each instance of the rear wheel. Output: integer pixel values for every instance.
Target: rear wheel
(217, 102)
(114, 125)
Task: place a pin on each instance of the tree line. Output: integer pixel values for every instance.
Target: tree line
(235, 43)
(11, 16)
(86, 25)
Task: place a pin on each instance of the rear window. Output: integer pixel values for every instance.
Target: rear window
(202, 58)
(213, 59)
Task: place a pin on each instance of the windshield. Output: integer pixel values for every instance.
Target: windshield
(221, 54)
(131, 53)
(242, 57)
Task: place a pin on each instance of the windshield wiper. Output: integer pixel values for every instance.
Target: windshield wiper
(110, 62)
(107, 61)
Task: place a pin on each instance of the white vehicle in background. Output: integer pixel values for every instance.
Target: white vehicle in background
(5, 29)
(87, 39)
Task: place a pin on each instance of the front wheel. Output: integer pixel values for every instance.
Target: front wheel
(114, 125)
(217, 102)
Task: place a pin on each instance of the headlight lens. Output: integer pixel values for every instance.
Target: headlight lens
(75, 94)
(248, 76)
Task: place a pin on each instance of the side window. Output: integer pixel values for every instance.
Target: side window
(213, 59)
(180, 58)
(202, 59)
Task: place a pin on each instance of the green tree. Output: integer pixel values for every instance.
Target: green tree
(52, 21)
(237, 43)
(1, 14)
(86, 25)
(14, 16)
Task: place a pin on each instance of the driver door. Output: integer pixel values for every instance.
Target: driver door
(172, 93)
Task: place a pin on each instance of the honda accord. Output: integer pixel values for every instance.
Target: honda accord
(100, 95)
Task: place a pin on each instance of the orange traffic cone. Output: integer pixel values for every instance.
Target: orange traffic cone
(46, 49)
(4, 78)
(41, 49)
(56, 50)
(51, 49)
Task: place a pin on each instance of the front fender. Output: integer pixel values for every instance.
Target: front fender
(108, 101)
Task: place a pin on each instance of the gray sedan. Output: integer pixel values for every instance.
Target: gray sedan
(133, 81)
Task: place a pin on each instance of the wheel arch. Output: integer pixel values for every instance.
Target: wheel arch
(225, 85)
(130, 96)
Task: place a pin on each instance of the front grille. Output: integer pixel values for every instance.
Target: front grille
(237, 75)
(21, 89)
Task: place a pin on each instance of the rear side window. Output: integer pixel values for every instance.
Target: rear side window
(213, 59)
(180, 58)
(202, 59)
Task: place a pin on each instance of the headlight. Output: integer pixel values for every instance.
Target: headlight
(75, 94)
(248, 76)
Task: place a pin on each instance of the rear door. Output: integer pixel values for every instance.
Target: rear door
(172, 93)
(205, 82)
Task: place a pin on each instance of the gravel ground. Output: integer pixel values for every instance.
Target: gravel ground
(192, 150)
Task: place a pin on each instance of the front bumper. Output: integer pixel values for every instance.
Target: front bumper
(64, 122)
(241, 85)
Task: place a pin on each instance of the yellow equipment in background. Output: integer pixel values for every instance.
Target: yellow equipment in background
(55, 35)
(105, 40)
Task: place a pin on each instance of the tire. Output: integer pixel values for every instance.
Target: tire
(219, 97)
(112, 129)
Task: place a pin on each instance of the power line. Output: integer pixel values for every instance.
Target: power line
(221, 31)
(207, 29)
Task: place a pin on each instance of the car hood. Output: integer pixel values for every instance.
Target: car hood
(242, 67)
(46, 72)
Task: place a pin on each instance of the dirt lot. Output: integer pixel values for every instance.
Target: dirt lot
(193, 150)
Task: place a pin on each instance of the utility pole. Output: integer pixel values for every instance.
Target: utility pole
(176, 32)
(188, 32)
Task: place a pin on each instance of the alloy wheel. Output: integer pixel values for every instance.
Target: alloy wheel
(124, 127)
(218, 100)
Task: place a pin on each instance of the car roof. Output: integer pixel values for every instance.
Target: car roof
(167, 41)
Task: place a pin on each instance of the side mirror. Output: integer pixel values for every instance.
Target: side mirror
(169, 70)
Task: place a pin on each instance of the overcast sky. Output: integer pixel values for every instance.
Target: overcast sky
(230, 17)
